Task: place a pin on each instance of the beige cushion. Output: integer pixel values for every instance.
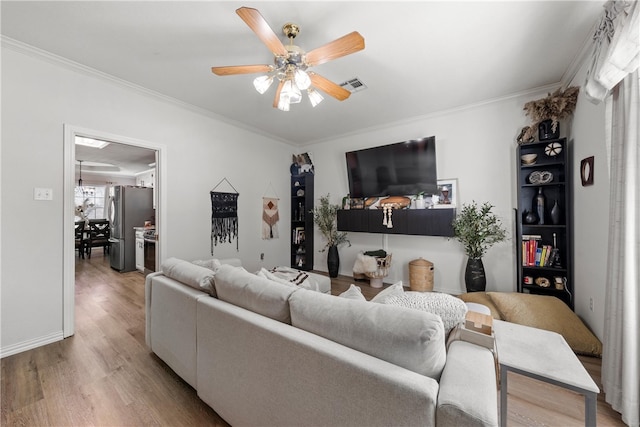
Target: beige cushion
(482, 298)
(354, 292)
(408, 338)
(451, 310)
(548, 313)
(190, 274)
(394, 290)
(237, 286)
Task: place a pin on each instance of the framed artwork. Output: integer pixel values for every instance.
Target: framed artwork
(586, 171)
(447, 193)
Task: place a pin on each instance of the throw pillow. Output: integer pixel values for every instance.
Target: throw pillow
(263, 272)
(354, 292)
(549, 313)
(191, 275)
(394, 290)
(451, 310)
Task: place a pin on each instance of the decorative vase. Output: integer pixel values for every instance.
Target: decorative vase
(555, 213)
(333, 261)
(538, 205)
(530, 217)
(474, 276)
(419, 202)
(545, 131)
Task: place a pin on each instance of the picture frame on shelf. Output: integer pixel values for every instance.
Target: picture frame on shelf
(447, 194)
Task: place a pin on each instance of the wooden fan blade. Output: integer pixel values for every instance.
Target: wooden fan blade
(345, 45)
(256, 22)
(241, 69)
(277, 97)
(329, 87)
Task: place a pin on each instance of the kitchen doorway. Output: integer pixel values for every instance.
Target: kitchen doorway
(122, 161)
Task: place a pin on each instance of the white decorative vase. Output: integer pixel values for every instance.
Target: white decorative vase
(420, 202)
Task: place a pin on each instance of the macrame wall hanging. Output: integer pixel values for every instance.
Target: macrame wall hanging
(270, 218)
(270, 215)
(224, 216)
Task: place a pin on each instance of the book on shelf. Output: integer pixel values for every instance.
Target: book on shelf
(535, 253)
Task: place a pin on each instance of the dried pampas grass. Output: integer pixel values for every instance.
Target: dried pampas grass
(555, 107)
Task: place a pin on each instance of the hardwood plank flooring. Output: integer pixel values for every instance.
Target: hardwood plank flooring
(105, 375)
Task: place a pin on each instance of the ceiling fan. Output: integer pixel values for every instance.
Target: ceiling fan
(291, 63)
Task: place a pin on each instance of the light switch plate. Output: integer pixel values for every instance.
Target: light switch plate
(42, 194)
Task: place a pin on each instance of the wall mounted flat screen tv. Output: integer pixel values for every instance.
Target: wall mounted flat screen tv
(399, 169)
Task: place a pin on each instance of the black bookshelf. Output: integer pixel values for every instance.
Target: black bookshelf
(544, 221)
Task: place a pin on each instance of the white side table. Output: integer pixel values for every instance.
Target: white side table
(545, 356)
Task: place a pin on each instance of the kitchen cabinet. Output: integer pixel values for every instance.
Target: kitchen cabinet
(139, 249)
(148, 179)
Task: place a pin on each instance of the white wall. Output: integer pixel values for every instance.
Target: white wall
(591, 211)
(477, 146)
(38, 98)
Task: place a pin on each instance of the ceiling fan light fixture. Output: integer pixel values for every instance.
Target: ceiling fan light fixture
(283, 103)
(262, 83)
(291, 91)
(314, 97)
(303, 81)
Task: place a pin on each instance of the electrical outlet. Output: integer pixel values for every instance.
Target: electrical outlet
(591, 303)
(42, 194)
(262, 256)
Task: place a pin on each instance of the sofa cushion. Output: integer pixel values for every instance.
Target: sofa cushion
(354, 292)
(451, 310)
(190, 274)
(409, 338)
(237, 286)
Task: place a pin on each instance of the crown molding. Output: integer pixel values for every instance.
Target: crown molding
(29, 50)
(409, 120)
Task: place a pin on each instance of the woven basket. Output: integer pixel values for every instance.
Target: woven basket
(421, 275)
(384, 263)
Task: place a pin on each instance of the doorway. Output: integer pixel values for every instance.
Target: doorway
(98, 170)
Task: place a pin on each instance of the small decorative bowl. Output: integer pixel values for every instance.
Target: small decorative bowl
(528, 159)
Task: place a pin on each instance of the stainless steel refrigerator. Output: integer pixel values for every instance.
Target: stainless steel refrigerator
(128, 207)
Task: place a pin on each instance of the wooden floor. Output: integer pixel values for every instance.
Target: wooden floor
(104, 375)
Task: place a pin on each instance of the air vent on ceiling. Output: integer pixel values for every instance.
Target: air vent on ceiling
(353, 85)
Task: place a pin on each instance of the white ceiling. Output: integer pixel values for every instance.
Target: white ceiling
(420, 57)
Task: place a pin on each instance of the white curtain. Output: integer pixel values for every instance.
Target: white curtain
(613, 77)
(621, 353)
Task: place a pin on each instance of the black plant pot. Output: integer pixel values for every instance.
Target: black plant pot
(333, 261)
(545, 131)
(474, 276)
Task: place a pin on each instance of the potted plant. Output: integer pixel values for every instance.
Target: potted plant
(477, 228)
(325, 216)
(547, 112)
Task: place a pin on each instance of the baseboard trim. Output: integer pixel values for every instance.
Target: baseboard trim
(30, 344)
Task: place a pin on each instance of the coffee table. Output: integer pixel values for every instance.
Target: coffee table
(544, 356)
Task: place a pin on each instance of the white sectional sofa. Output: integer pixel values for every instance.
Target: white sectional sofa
(264, 353)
